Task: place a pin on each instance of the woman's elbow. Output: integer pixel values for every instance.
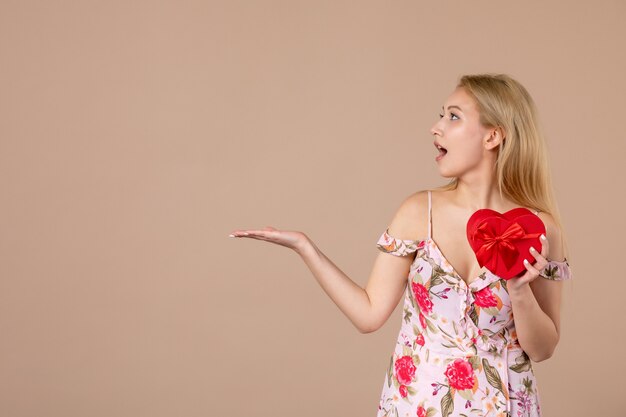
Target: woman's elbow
(543, 355)
(370, 327)
(367, 329)
(540, 358)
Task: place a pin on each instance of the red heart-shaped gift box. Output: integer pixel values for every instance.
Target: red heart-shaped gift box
(501, 241)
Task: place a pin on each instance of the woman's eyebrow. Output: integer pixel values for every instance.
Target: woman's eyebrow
(449, 107)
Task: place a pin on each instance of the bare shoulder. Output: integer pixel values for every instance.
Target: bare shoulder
(410, 221)
(553, 233)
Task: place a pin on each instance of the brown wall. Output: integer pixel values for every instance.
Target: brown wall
(135, 135)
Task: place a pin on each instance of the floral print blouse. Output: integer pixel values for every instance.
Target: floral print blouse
(457, 352)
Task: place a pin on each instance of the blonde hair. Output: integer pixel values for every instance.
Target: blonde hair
(522, 165)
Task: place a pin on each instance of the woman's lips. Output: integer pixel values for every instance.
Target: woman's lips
(442, 151)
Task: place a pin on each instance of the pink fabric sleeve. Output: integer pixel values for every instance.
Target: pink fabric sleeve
(557, 271)
(395, 246)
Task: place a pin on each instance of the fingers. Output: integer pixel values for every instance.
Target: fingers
(258, 234)
(535, 270)
(540, 258)
(544, 246)
(530, 267)
(247, 233)
(528, 276)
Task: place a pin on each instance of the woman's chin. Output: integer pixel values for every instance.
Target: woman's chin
(445, 173)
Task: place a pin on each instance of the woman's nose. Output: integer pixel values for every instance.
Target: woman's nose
(435, 130)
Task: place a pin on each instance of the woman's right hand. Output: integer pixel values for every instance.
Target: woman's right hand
(351, 299)
(291, 239)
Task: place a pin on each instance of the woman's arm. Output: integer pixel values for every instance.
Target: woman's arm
(368, 308)
(536, 301)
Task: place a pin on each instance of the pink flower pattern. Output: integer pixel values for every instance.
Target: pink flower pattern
(457, 349)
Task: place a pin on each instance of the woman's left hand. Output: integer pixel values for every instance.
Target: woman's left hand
(532, 271)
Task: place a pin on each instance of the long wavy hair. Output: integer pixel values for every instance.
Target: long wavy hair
(522, 164)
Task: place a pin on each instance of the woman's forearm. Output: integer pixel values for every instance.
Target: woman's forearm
(536, 331)
(351, 299)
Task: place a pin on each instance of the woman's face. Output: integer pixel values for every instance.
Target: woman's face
(459, 131)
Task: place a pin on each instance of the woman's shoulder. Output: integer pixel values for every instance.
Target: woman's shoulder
(552, 228)
(411, 217)
(553, 233)
(418, 203)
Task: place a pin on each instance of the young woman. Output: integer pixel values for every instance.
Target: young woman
(467, 336)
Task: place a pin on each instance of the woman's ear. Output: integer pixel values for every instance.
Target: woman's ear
(502, 133)
(496, 137)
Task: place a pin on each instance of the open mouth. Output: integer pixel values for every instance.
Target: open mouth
(442, 151)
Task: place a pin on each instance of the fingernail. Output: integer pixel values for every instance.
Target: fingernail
(525, 262)
(543, 237)
(532, 249)
(231, 235)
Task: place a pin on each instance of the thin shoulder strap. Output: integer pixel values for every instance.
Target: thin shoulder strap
(429, 209)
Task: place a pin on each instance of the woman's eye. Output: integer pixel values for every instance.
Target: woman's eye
(451, 114)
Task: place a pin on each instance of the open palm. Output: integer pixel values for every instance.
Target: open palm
(291, 239)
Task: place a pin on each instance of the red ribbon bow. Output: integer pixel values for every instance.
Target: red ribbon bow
(500, 241)
(499, 246)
